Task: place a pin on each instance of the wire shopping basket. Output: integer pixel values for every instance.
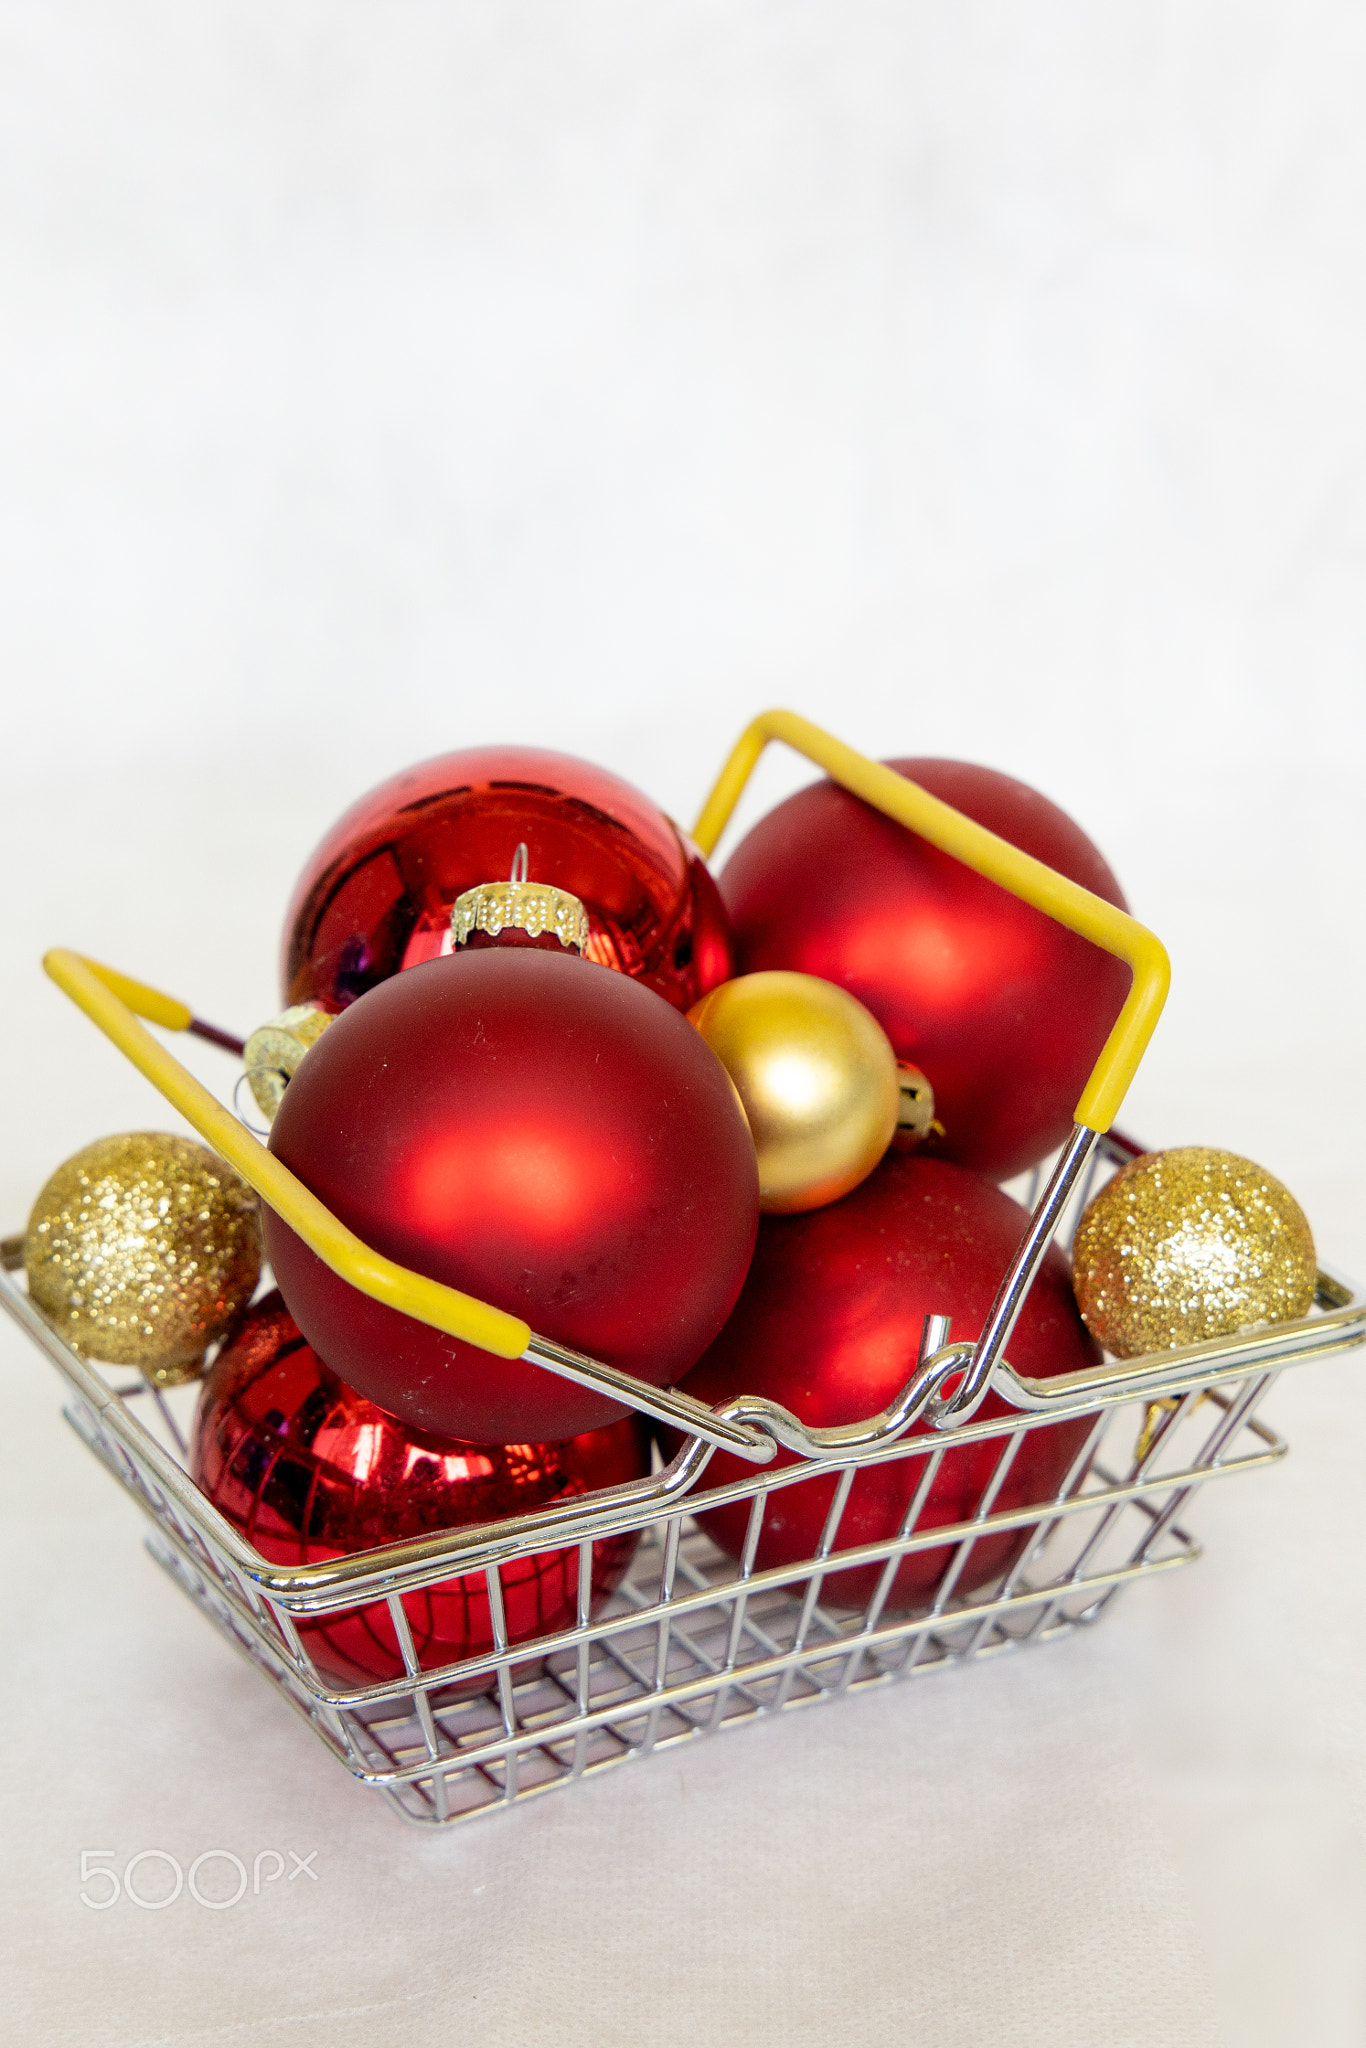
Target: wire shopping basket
(695, 1639)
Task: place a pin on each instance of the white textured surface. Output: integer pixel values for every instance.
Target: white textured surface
(981, 379)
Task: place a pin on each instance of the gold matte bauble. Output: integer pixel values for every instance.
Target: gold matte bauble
(818, 1079)
(143, 1249)
(1186, 1245)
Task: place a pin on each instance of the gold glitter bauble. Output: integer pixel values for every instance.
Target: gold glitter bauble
(818, 1079)
(142, 1249)
(1190, 1244)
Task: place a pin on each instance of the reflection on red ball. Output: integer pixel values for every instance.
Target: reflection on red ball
(377, 894)
(544, 1135)
(829, 1324)
(1003, 1009)
(308, 1470)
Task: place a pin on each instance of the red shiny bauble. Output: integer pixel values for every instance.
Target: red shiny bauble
(1003, 1009)
(543, 1134)
(377, 894)
(308, 1470)
(829, 1324)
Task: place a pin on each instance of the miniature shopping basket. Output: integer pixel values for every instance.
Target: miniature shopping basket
(692, 1640)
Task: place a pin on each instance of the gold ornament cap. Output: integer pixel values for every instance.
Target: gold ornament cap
(272, 1053)
(143, 1249)
(520, 905)
(1186, 1245)
(816, 1077)
(915, 1117)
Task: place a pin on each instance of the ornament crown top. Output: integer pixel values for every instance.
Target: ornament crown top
(519, 904)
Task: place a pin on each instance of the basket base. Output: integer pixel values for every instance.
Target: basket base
(544, 1722)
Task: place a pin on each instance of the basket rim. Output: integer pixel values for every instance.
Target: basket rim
(1338, 1324)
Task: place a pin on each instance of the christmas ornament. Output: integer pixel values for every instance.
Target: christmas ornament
(829, 1324)
(142, 1249)
(1190, 1244)
(379, 892)
(1003, 1009)
(272, 1053)
(817, 1077)
(543, 1134)
(308, 1470)
(519, 912)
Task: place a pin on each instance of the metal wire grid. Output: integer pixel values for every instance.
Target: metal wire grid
(694, 1641)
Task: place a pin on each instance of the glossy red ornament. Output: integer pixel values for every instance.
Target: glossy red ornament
(1003, 1009)
(308, 1470)
(829, 1324)
(377, 894)
(543, 1134)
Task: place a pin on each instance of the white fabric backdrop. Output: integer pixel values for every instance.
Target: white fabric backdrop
(977, 378)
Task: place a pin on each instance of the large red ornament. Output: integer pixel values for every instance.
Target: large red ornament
(829, 1324)
(1003, 1009)
(377, 894)
(308, 1470)
(538, 1132)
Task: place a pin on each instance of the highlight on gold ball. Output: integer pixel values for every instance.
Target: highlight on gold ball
(1187, 1245)
(817, 1077)
(273, 1052)
(144, 1249)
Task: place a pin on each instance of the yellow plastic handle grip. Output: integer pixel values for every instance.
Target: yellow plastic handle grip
(989, 855)
(109, 999)
(168, 1011)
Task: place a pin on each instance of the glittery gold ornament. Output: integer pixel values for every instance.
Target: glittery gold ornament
(272, 1053)
(1190, 1244)
(817, 1077)
(142, 1249)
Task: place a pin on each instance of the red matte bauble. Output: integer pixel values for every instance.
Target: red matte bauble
(377, 894)
(538, 1132)
(1003, 1009)
(829, 1324)
(308, 1470)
